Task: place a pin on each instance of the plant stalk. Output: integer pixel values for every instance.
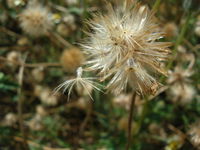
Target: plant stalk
(20, 107)
(179, 39)
(131, 111)
(156, 5)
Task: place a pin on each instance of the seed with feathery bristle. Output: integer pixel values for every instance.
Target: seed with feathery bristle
(84, 82)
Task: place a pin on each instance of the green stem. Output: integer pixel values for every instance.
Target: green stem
(156, 5)
(179, 39)
(20, 107)
(177, 43)
(143, 115)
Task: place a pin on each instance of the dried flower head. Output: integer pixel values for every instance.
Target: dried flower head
(122, 100)
(124, 48)
(12, 57)
(197, 27)
(35, 20)
(40, 110)
(10, 119)
(180, 75)
(71, 59)
(15, 3)
(63, 29)
(71, 2)
(23, 41)
(46, 96)
(36, 123)
(79, 81)
(181, 93)
(194, 133)
(171, 29)
(38, 74)
(156, 129)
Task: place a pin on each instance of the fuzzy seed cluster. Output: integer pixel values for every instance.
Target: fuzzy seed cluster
(35, 20)
(124, 48)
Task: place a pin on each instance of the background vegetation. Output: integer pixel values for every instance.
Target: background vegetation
(31, 67)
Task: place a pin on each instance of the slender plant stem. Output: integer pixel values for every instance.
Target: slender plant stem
(156, 5)
(84, 5)
(43, 65)
(20, 107)
(31, 65)
(179, 39)
(144, 113)
(87, 118)
(129, 135)
(9, 32)
(56, 37)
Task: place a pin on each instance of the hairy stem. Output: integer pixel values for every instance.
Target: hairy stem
(129, 135)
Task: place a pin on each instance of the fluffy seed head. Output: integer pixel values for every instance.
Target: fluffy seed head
(124, 48)
(35, 20)
(194, 133)
(36, 123)
(46, 96)
(182, 93)
(122, 100)
(38, 74)
(171, 29)
(10, 119)
(197, 27)
(180, 75)
(14, 56)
